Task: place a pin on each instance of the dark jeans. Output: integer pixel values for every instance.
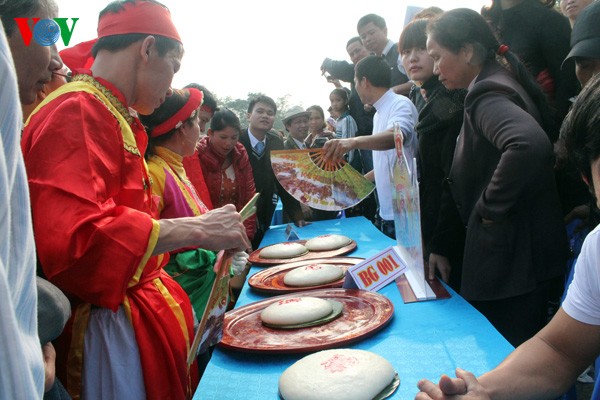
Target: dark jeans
(519, 318)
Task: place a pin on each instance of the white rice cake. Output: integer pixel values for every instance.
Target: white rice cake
(296, 310)
(327, 242)
(338, 374)
(283, 250)
(313, 274)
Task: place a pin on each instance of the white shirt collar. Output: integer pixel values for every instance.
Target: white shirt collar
(254, 140)
(388, 47)
(300, 144)
(383, 99)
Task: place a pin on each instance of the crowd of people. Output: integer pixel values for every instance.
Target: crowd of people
(121, 191)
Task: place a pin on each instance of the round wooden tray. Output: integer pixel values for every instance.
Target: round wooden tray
(255, 258)
(364, 314)
(270, 280)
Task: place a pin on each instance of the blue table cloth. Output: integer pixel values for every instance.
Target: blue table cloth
(423, 340)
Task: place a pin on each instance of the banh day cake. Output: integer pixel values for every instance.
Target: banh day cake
(283, 250)
(338, 374)
(312, 275)
(296, 311)
(327, 242)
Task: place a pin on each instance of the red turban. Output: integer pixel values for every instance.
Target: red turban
(138, 17)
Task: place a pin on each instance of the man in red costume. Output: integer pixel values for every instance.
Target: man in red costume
(94, 216)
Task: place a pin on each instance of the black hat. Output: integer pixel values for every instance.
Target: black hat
(585, 37)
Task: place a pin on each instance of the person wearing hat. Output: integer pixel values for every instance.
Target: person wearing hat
(96, 226)
(547, 364)
(296, 124)
(259, 141)
(585, 43)
(174, 131)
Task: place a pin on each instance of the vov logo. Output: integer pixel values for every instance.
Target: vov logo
(46, 31)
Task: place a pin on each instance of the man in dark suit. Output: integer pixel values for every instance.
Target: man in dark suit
(259, 141)
(296, 123)
(373, 33)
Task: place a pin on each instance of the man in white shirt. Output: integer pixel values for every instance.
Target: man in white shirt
(372, 81)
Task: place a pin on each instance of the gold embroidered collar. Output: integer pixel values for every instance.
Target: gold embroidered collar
(109, 95)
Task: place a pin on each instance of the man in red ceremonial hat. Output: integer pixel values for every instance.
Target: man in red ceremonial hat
(95, 224)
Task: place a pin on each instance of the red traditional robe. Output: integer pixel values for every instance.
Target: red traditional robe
(95, 229)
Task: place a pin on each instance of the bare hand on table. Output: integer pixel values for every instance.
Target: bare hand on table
(439, 263)
(465, 386)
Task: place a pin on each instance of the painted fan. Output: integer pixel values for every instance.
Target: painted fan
(322, 185)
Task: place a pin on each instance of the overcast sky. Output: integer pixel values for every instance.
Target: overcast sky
(234, 47)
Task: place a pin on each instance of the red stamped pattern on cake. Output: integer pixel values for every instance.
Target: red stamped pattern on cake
(313, 267)
(339, 362)
(288, 301)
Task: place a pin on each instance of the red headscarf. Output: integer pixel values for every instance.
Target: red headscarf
(185, 112)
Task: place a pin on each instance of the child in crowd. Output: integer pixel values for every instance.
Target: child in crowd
(345, 125)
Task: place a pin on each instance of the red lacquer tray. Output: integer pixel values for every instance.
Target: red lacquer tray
(270, 280)
(364, 314)
(311, 255)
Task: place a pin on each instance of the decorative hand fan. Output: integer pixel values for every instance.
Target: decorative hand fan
(322, 185)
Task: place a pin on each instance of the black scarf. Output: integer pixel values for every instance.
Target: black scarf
(443, 107)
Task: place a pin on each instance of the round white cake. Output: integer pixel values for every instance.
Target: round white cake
(312, 275)
(296, 310)
(338, 374)
(283, 250)
(327, 242)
